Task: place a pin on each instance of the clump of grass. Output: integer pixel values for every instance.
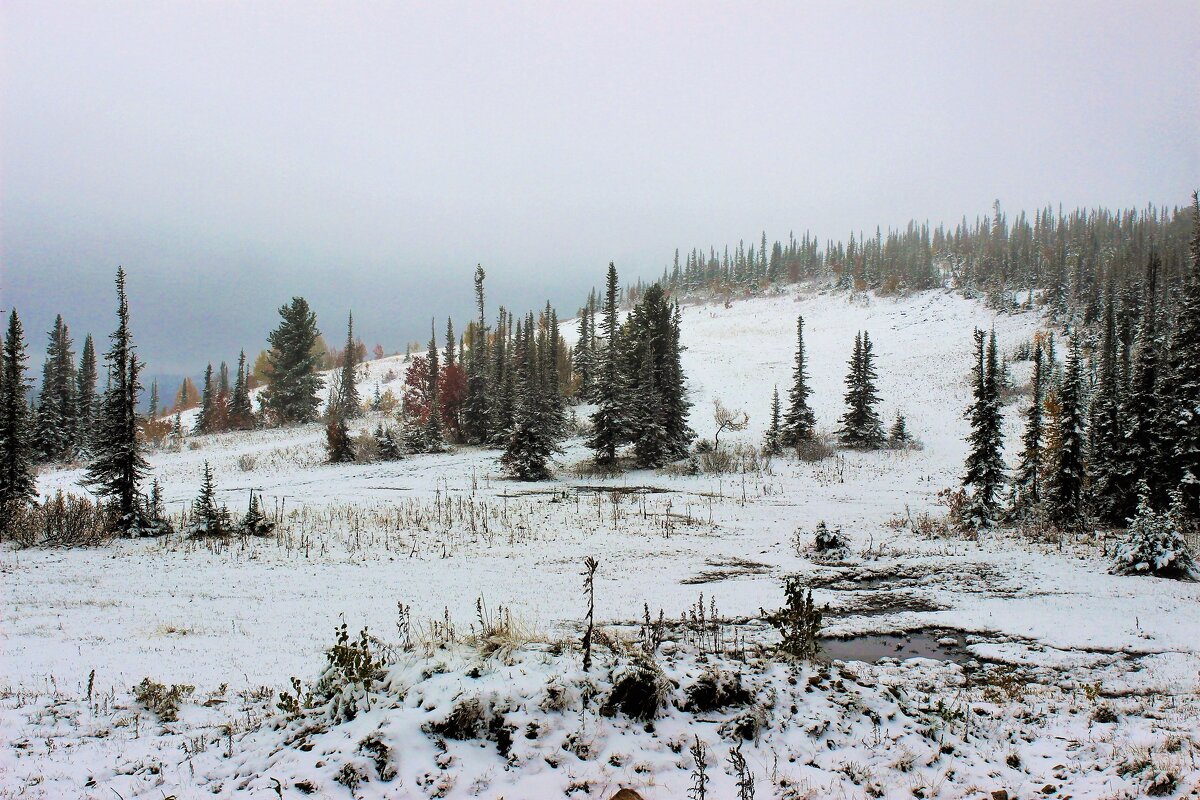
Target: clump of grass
(162, 700)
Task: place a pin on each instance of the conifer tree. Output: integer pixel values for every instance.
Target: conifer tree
(985, 465)
(55, 421)
(657, 407)
(434, 435)
(292, 363)
(348, 403)
(649, 443)
(1182, 418)
(118, 466)
(85, 396)
(584, 357)
(773, 439)
(17, 486)
(386, 443)
(1027, 482)
(673, 388)
(1106, 428)
(861, 427)
(534, 435)
(1064, 486)
(476, 418)
(208, 519)
(609, 422)
(503, 386)
(898, 435)
(241, 411)
(206, 420)
(338, 444)
(799, 422)
(1143, 450)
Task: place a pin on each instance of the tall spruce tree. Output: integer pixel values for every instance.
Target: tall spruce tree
(1142, 453)
(584, 357)
(206, 419)
(434, 434)
(773, 438)
(503, 386)
(17, 486)
(1064, 486)
(292, 365)
(1182, 429)
(610, 419)
(476, 425)
(1106, 428)
(535, 432)
(1027, 482)
(241, 411)
(861, 427)
(985, 463)
(799, 422)
(118, 466)
(85, 396)
(658, 408)
(55, 420)
(349, 404)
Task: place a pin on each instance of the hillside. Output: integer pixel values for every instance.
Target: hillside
(439, 532)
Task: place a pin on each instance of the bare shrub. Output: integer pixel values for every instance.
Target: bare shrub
(164, 701)
(246, 462)
(816, 448)
(62, 521)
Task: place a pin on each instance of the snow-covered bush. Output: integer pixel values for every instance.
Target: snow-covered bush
(640, 689)
(162, 700)
(716, 689)
(1154, 545)
(350, 673)
(830, 542)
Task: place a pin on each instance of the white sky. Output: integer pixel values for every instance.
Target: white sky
(367, 155)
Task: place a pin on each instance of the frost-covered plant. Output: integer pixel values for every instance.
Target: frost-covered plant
(162, 700)
(350, 673)
(830, 542)
(1154, 545)
(716, 689)
(798, 622)
(640, 688)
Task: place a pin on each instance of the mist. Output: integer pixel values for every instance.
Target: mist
(368, 156)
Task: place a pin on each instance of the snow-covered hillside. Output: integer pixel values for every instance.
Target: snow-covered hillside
(438, 532)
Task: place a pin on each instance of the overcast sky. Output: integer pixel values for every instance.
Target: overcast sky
(368, 155)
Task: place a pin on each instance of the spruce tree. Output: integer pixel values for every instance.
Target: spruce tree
(241, 411)
(609, 422)
(348, 403)
(118, 466)
(673, 389)
(206, 419)
(1182, 429)
(1064, 485)
(799, 422)
(898, 435)
(1027, 482)
(534, 434)
(1143, 450)
(55, 419)
(985, 464)
(85, 396)
(773, 439)
(861, 427)
(503, 386)
(338, 445)
(476, 425)
(434, 435)
(1109, 488)
(292, 362)
(584, 357)
(657, 406)
(208, 519)
(17, 487)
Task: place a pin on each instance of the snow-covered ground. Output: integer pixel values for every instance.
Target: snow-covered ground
(1049, 636)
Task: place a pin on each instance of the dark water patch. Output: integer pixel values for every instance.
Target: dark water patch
(938, 644)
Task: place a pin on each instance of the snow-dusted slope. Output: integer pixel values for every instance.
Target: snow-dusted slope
(438, 532)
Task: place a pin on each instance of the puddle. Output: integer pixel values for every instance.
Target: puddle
(936, 644)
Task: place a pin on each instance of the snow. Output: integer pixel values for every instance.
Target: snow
(437, 532)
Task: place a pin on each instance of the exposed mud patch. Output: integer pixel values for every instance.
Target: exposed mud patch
(880, 603)
(724, 569)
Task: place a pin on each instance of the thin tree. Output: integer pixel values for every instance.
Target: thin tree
(85, 396)
(1064, 487)
(476, 411)
(349, 405)
(118, 466)
(773, 439)
(434, 435)
(206, 419)
(609, 421)
(799, 422)
(17, 487)
(1106, 429)
(55, 419)
(1027, 482)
